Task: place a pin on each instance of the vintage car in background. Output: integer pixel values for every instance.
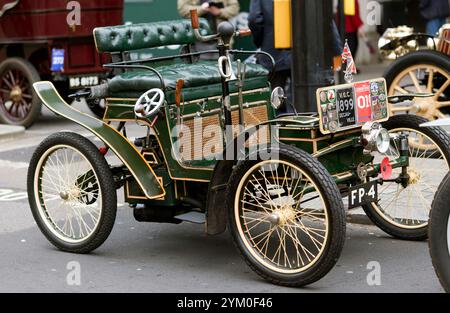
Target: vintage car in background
(421, 66)
(439, 224)
(214, 151)
(37, 42)
(439, 232)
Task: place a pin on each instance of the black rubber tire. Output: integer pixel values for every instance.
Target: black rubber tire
(441, 138)
(438, 227)
(427, 57)
(32, 76)
(336, 213)
(107, 185)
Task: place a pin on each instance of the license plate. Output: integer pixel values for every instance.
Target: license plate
(57, 60)
(349, 106)
(362, 194)
(83, 81)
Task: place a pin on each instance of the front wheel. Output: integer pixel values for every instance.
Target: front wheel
(71, 192)
(286, 217)
(439, 233)
(402, 211)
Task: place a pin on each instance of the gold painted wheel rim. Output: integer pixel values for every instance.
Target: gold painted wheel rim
(281, 217)
(68, 194)
(412, 80)
(420, 79)
(409, 207)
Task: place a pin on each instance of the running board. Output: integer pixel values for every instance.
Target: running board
(192, 217)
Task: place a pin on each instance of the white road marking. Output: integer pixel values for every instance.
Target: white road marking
(13, 165)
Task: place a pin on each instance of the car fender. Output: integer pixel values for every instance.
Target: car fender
(120, 145)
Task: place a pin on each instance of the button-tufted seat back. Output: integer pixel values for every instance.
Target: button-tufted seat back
(147, 35)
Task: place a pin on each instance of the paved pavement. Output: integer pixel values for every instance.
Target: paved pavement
(141, 257)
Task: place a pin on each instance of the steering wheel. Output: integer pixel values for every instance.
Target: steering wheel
(149, 103)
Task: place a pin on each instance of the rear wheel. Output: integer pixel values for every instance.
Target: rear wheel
(19, 104)
(421, 72)
(403, 212)
(72, 193)
(439, 233)
(286, 217)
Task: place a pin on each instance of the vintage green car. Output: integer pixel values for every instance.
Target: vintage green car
(213, 151)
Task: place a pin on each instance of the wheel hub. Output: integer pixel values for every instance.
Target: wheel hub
(64, 195)
(414, 176)
(16, 94)
(426, 107)
(70, 194)
(283, 215)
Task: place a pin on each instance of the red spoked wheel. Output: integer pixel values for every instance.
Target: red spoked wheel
(19, 105)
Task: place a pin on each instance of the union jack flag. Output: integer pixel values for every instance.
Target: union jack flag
(347, 58)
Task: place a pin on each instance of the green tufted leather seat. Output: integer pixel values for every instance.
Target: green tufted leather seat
(194, 75)
(146, 35)
(203, 75)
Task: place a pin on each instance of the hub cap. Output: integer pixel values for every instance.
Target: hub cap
(15, 95)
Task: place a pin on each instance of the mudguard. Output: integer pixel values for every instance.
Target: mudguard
(124, 150)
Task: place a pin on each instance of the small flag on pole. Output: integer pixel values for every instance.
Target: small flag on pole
(347, 58)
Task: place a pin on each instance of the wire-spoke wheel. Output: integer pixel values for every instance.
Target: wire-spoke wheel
(72, 193)
(19, 104)
(421, 72)
(286, 217)
(403, 211)
(439, 233)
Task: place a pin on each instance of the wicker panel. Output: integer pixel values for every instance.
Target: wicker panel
(201, 141)
(444, 45)
(254, 116)
(200, 135)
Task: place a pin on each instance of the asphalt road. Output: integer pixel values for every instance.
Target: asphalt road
(174, 258)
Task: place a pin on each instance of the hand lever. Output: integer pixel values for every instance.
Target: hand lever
(244, 33)
(194, 19)
(178, 92)
(196, 28)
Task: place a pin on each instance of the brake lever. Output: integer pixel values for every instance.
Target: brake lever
(78, 95)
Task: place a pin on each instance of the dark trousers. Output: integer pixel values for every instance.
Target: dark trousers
(353, 42)
(280, 79)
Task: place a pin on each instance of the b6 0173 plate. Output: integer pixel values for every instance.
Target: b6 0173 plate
(351, 105)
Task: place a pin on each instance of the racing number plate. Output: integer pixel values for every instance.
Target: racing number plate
(362, 194)
(349, 106)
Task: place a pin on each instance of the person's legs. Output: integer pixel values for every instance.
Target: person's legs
(352, 39)
(279, 79)
(434, 25)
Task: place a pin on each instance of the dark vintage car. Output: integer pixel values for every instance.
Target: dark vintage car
(41, 40)
(422, 67)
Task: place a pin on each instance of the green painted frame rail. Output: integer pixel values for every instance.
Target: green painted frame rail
(124, 150)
